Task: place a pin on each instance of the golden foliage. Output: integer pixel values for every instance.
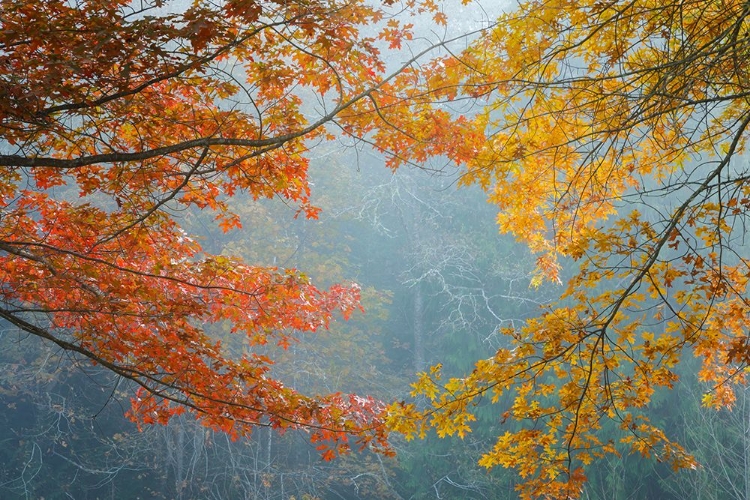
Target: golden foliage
(611, 135)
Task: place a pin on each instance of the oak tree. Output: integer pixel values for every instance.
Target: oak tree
(116, 116)
(610, 133)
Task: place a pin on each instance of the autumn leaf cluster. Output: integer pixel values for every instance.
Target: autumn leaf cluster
(116, 117)
(612, 140)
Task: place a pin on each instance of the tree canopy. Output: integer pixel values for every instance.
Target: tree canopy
(609, 133)
(614, 134)
(116, 117)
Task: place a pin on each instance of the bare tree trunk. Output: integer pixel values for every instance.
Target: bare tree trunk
(179, 468)
(746, 445)
(269, 477)
(418, 326)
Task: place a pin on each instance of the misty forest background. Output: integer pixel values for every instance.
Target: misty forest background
(437, 282)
